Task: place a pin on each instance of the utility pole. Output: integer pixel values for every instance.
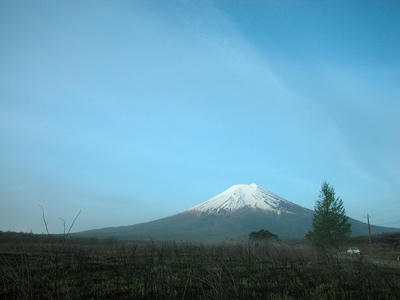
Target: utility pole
(369, 233)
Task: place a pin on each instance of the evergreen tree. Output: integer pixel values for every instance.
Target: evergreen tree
(330, 223)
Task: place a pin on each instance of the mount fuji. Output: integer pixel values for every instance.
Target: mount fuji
(241, 209)
(244, 196)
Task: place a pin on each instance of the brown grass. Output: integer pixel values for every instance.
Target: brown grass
(43, 268)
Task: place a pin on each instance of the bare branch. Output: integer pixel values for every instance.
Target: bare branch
(73, 222)
(44, 220)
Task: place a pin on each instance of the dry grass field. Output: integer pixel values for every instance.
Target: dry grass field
(41, 267)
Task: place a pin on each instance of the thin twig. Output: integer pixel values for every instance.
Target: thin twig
(44, 220)
(72, 224)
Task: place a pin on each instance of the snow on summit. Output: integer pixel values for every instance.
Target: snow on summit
(242, 196)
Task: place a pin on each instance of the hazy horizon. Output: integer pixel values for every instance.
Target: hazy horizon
(133, 111)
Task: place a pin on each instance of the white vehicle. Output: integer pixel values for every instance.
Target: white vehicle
(353, 251)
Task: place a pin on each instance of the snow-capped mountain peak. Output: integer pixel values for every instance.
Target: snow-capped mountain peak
(243, 196)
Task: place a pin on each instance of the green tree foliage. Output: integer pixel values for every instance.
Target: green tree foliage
(262, 235)
(330, 223)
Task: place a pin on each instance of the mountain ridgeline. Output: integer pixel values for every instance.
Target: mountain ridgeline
(233, 214)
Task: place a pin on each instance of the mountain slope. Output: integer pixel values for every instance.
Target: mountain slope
(235, 212)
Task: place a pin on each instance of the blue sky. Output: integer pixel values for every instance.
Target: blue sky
(132, 111)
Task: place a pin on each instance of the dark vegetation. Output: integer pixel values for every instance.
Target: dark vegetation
(262, 235)
(51, 267)
(384, 246)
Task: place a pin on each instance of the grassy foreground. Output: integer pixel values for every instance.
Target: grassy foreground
(48, 268)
